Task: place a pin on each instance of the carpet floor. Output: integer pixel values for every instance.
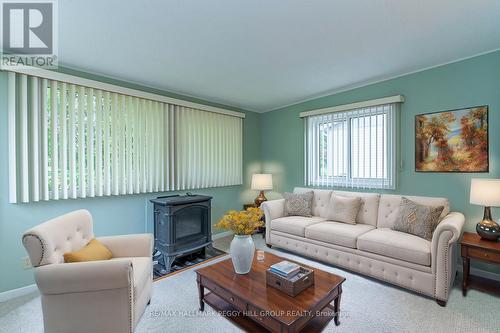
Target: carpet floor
(367, 306)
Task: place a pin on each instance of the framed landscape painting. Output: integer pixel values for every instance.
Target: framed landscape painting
(452, 141)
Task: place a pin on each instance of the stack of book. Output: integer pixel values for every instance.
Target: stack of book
(285, 268)
(289, 277)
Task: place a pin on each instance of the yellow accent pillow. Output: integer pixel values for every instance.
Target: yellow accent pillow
(94, 250)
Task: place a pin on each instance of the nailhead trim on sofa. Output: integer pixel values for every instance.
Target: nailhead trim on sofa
(41, 244)
(445, 253)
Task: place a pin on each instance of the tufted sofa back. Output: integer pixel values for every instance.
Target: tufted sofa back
(367, 212)
(380, 210)
(46, 243)
(321, 200)
(389, 209)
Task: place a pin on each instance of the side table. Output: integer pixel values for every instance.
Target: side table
(473, 247)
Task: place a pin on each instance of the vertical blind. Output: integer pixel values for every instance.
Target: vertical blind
(71, 141)
(213, 143)
(355, 148)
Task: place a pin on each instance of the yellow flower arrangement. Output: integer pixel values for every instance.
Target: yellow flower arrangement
(243, 222)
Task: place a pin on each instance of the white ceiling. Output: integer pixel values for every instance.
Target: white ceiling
(264, 54)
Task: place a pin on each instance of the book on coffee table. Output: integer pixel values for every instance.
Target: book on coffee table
(285, 268)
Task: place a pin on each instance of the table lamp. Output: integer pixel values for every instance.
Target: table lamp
(261, 182)
(486, 192)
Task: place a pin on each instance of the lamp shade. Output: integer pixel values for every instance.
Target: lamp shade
(262, 181)
(485, 192)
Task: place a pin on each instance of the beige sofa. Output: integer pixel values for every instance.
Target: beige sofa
(95, 296)
(370, 246)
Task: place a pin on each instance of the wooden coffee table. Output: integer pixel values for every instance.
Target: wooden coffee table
(256, 307)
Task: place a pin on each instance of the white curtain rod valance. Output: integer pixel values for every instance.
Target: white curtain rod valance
(352, 106)
(62, 77)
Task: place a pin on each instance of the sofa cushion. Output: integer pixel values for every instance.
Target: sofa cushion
(337, 233)
(389, 209)
(396, 244)
(418, 220)
(94, 250)
(294, 225)
(368, 210)
(298, 204)
(343, 209)
(321, 200)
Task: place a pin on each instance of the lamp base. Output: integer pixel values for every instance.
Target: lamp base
(487, 228)
(260, 199)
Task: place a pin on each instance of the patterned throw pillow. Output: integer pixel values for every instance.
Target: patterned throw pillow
(343, 209)
(298, 204)
(418, 220)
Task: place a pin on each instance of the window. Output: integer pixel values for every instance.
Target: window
(74, 141)
(353, 148)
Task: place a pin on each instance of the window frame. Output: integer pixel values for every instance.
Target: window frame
(391, 133)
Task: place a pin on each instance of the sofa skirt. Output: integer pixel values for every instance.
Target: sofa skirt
(418, 278)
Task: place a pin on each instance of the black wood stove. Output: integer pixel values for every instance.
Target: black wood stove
(182, 226)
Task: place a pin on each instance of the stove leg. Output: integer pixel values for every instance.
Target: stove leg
(167, 262)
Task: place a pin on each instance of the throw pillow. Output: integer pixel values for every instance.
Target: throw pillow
(418, 220)
(94, 250)
(298, 204)
(343, 209)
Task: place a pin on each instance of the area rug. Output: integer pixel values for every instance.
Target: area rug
(367, 306)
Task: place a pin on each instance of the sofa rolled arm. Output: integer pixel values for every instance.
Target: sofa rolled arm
(84, 276)
(135, 245)
(273, 209)
(450, 227)
(444, 252)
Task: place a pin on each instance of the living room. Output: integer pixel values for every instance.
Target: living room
(190, 147)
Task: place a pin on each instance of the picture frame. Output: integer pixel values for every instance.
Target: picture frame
(453, 141)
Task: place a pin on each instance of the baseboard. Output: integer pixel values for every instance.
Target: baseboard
(10, 294)
(481, 273)
(222, 235)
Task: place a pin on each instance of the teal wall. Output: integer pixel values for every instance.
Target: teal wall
(275, 142)
(471, 82)
(112, 215)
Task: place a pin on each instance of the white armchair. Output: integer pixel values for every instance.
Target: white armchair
(96, 296)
